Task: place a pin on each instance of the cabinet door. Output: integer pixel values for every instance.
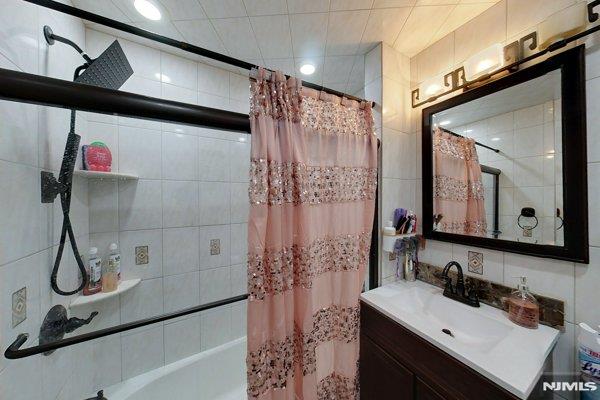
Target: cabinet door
(382, 377)
(424, 392)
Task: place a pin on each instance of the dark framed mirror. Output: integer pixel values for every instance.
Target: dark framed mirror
(504, 164)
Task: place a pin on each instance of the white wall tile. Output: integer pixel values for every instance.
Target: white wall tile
(19, 132)
(215, 284)
(179, 156)
(143, 301)
(239, 155)
(103, 372)
(593, 201)
(213, 80)
(22, 380)
(182, 339)
(142, 351)
(140, 152)
(180, 203)
(586, 287)
(214, 203)
(214, 159)
(240, 205)
(215, 327)
(436, 253)
(20, 196)
(593, 120)
(179, 71)
(140, 205)
(181, 291)
(239, 279)
(104, 206)
(493, 262)
(180, 250)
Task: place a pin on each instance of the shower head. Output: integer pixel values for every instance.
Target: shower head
(110, 70)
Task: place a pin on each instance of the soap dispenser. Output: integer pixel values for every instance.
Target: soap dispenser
(523, 308)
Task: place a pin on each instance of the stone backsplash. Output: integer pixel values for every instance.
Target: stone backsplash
(552, 311)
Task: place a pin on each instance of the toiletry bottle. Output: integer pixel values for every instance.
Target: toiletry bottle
(110, 277)
(389, 229)
(94, 282)
(115, 257)
(523, 308)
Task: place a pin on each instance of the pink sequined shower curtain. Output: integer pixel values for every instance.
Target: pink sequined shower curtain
(457, 187)
(312, 196)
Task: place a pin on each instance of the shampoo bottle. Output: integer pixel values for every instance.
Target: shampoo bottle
(523, 308)
(94, 282)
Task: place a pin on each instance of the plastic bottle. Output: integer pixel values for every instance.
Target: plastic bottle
(115, 257)
(94, 282)
(110, 276)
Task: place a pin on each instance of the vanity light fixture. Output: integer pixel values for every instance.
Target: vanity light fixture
(555, 33)
(147, 9)
(307, 69)
(563, 24)
(484, 62)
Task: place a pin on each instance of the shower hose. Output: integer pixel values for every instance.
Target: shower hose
(66, 178)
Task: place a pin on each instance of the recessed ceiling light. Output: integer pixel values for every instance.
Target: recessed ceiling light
(147, 9)
(307, 69)
(495, 139)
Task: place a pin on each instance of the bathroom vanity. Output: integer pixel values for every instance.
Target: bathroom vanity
(417, 344)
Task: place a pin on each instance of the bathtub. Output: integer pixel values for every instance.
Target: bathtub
(215, 374)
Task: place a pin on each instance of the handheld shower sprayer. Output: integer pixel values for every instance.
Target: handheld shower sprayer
(110, 70)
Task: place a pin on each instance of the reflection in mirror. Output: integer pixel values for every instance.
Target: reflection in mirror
(497, 164)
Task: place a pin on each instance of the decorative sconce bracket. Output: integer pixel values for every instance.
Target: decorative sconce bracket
(415, 97)
(593, 16)
(532, 46)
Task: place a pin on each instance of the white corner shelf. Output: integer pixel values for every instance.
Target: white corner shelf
(124, 286)
(105, 175)
(390, 241)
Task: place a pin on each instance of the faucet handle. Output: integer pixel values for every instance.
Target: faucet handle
(75, 323)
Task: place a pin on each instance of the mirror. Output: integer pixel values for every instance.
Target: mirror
(504, 163)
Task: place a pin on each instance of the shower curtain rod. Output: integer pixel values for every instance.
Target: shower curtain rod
(111, 23)
(477, 143)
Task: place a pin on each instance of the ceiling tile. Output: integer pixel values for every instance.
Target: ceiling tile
(355, 89)
(358, 69)
(340, 5)
(337, 69)
(309, 33)
(317, 76)
(223, 8)
(307, 6)
(104, 8)
(459, 16)
(161, 27)
(393, 3)
(344, 31)
(420, 27)
(383, 26)
(340, 87)
(273, 35)
(200, 33)
(265, 7)
(286, 65)
(237, 36)
(184, 9)
(486, 29)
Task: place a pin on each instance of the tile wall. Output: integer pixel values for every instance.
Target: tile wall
(575, 284)
(192, 189)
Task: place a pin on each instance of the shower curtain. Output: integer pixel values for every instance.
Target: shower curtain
(312, 195)
(457, 186)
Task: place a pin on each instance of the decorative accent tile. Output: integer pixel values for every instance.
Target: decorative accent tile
(19, 306)
(392, 256)
(476, 262)
(215, 247)
(141, 255)
(552, 311)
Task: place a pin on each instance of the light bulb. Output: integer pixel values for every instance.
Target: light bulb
(147, 9)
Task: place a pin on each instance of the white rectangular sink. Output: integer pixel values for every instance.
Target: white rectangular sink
(482, 338)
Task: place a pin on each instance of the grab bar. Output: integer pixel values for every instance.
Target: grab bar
(14, 351)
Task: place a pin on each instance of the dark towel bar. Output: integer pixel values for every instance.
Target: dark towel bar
(14, 351)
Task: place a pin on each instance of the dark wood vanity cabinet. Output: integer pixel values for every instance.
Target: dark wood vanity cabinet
(396, 364)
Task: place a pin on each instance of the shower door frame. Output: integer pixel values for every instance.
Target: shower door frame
(40, 90)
